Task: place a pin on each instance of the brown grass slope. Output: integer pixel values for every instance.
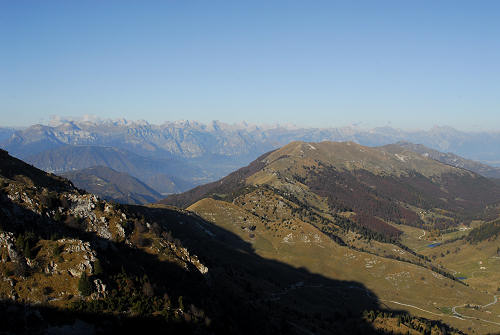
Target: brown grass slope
(335, 209)
(380, 184)
(278, 229)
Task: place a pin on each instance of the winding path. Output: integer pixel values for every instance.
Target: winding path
(455, 313)
(420, 237)
(495, 300)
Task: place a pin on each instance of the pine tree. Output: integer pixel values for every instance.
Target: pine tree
(97, 267)
(20, 243)
(84, 285)
(181, 304)
(27, 250)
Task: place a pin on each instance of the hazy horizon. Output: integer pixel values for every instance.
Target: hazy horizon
(56, 120)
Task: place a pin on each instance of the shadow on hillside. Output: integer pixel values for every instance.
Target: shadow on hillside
(241, 293)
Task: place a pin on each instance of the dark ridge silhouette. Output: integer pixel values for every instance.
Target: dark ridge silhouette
(16, 169)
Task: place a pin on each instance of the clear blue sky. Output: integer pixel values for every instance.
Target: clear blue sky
(312, 63)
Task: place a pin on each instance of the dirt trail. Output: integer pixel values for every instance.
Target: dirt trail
(455, 313)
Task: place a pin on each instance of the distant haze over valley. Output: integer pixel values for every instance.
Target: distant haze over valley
(175, 156)
(185, 137)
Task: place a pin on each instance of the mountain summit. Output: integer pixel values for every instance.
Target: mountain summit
(377, 184)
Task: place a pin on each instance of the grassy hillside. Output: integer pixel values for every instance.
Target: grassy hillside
(375, 184)
(475, 261)
(346, 211)
(397, 284)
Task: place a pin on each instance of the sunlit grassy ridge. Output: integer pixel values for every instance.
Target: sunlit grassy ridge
(332, 208)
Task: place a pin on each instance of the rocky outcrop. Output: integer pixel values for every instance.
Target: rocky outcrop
(100, 289)
(7, 243)
(186, 258)
(86, 255)
(51, 268)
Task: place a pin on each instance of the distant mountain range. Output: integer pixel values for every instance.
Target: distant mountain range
(176, 156)
(112, 185)
(6, 133)
(191, 139)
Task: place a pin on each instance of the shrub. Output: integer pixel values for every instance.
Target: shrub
(47, 290)
(156, 229)
(27, 250)
(180, 303)
(97, 267)
(49, 200)
(73, 221)
(20, 243)
(56, 251)
(147, 289)
(140, 227)
(84, 285)
(20, 269)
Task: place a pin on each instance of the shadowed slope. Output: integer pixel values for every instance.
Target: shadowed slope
(112, 185)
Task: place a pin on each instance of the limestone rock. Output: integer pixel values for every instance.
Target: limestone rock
(7, 241)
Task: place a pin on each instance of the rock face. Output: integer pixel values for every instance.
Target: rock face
(186, 257)
(83, 206)
(51, 268)
(7, 242)
(86, 255)
(100, 289)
